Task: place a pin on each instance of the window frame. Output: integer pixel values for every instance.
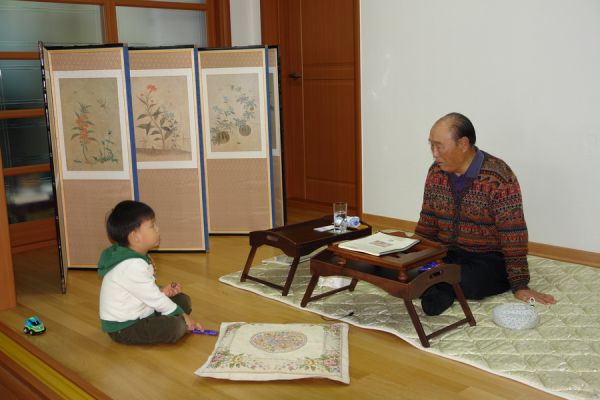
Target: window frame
(218, 35)
(218, 30)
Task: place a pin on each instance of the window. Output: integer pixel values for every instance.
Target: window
(160, 27)
(24, 23)
(23, 137)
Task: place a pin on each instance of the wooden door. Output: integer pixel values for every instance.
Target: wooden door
(319, 46)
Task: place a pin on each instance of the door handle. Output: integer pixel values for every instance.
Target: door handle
(295, 75)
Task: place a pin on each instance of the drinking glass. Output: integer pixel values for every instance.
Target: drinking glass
(340, 212)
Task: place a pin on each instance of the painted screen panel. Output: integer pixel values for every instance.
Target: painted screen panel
(169, 144)
(89, 127)
(233, 93)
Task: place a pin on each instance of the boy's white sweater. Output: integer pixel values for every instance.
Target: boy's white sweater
(129, 292)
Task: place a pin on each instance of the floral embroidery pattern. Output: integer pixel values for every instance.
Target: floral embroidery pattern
(226, 359)
(327, 362)
(278, 341)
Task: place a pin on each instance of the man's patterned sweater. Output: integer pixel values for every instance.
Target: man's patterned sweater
(486, 216)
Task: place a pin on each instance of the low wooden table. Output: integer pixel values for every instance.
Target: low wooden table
(295, 241)
(395, 273)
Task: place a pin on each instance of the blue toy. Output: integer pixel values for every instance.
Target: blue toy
(428, 266)
(33, 326)
(206, 332)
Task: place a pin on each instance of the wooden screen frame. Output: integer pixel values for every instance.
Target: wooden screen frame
(277, 153)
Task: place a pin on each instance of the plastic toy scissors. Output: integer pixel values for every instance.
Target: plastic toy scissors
(205, 332)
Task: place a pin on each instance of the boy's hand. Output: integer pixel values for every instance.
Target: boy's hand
(171, 290)
(191, 324)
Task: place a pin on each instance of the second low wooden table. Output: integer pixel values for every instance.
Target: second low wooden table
(396, 273)
(295, 241)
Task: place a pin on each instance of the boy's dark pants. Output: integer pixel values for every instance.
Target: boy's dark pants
(157, 328)
(482, 275)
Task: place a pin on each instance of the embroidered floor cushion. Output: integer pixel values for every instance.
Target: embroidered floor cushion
(262, 352)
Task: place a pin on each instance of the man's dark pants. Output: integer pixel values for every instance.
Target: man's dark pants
(482, 275)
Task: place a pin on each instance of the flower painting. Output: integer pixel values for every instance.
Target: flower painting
(162, 115)
(234, 109)
(91, 128)
(159, 124)
(84, 134)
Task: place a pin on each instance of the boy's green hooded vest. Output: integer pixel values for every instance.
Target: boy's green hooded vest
(109, 258)
(113, 255)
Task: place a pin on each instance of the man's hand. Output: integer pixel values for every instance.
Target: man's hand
(542, 298)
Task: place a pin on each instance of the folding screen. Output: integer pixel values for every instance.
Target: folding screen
(236, 141)
(168, 144)
(87, 106)
(275, 135)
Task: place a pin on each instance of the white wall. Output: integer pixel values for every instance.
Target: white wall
(245, 22)
(526, 72)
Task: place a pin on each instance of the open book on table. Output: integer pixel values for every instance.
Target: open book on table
(379, 244)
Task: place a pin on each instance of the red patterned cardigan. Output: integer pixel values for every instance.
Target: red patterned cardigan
(486, 216)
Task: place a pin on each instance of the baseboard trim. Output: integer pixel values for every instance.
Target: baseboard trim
(536, 249)
(565, 254)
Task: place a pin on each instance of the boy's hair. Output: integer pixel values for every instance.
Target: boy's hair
(126, 217)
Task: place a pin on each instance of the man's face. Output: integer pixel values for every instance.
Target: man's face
(450, 154)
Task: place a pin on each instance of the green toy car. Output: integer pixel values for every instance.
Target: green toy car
(33, 326)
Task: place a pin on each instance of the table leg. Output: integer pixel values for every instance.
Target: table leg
(410, 307)
(248, 264)
(463, 304)
(309, 290)
(290, 277)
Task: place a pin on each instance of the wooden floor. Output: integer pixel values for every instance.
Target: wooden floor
(381, 365)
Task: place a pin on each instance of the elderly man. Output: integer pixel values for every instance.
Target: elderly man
(472, 204)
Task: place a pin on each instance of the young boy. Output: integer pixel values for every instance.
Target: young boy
(133, 309)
